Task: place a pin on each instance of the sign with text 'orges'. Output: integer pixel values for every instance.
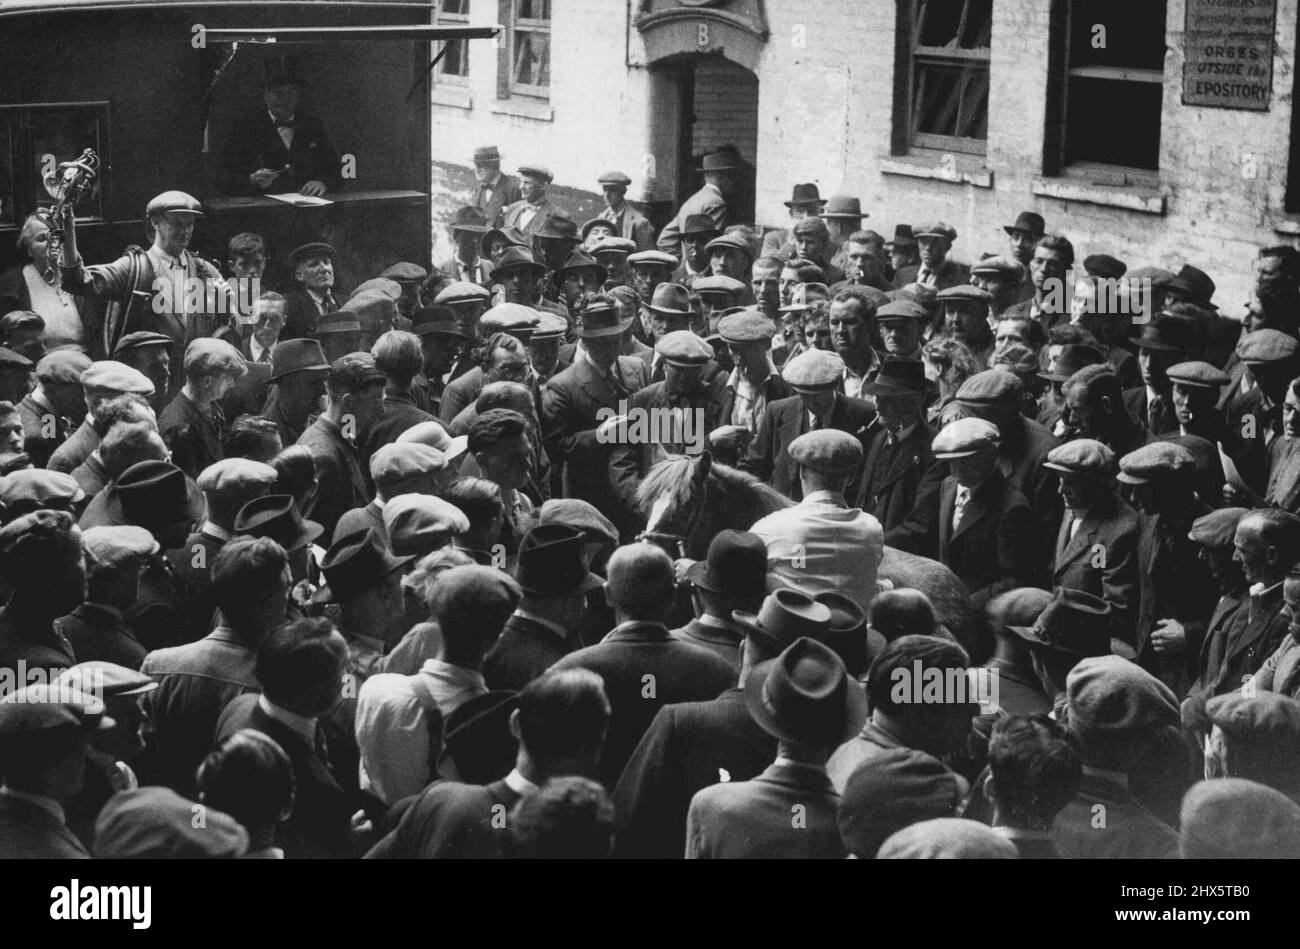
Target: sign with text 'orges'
(1228, 47)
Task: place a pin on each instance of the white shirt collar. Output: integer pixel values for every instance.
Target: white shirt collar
(301, 724)
(831, 497)
(519, 784)
(255, 349)
(447, 672)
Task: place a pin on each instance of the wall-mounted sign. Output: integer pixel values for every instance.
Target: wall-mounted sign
(1228, 53)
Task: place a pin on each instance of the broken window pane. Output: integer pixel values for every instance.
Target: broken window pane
(532, 58)
(952, 99)
(965, 24)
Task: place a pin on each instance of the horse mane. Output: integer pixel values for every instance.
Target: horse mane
(672, 478)
(768, 498)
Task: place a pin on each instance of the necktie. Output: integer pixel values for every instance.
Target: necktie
(925, 276)
(484, 195)
(1156, 415)
(959, 507)
(328, 305)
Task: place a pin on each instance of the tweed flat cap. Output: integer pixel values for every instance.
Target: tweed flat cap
(208, 357)
(965, 294)
(397, 461)
(1264, 715)
(948, 838)
(1265, 346)
(433, 434)
(1017, 358)
(1236, 819)
(107, 679)
(340, 321)
(62, 367)
(965, 437)
(1104, 266)
(614, 178)
(1001, 266)
(684, 348)
(116, 377)
(461, 291)
(420, 523)
(436, 319)
(575, 512)
(236, 477)
(1200, 375)
(534, 170)
(120, 545)
(652, 258)
(1157, 460)
(827, 450)
(38, 487)
(156, 822)
(1218, 528)
(718, 285)
(988, 387)
(139, 340)
(508, 318)
(355, 370)
(310, 251)
(1081, 456)
(174, 201)
(899, 310)
(43, 710)
(747, 326)
(374, 308)
(1112, 698)
(388, 287)
(614, 245)
(730, 241)
(550, 326)
(813, 370)
(935, 229)
(895, 789)
(1019, 607)
(405, 270)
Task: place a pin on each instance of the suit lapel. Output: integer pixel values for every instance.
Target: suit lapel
(947, 498)
(1068, 550)
(976, 508)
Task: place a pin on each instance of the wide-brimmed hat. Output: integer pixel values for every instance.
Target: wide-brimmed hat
(786, 615)
(602, 319)
(670, 299)
(357, 562)
(515, 258)
(805, 194)
(297, 355)
(1075, 623)
(153, 494)
(1195, 284)
(903, 237)
(469, 218)
(806, 696)
(736, 566)
(510, 235)
(551, 562)
(579, 261)
(849, 634)
(1027, 221)
(276, 516)
(843, 207)
(898, 376)
(477, 746)
(1168, 334)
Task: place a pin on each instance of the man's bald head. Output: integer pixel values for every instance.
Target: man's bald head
(641, 582)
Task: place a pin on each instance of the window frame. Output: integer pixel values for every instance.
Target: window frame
(916, 55)
(95, 207)
(442, 18)
(507, 87)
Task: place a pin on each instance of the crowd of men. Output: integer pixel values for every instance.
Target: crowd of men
(382, 574)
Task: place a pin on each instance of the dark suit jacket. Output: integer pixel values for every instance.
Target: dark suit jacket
(629, 463)
(359, 518)
(1251, 641)
(1173, 584)
(501, 197)
(460, 393)
(951, 274)
(688, 746)
(892, 473)
(681, 673)
(1230, 615)
(39, 649)
(290, 431)
(192, 569)
(193, 435)
(322, 810)
(338, 469)
(633, 225)
(450, 820)
(546, 210)
(30, 832)
(450, 268)
(725, 644)
(255, 143)
(775, 389)
(752, 819)
(301, 313)
(97, 632)
(1135, 400)
(43, 430)
(524, 650)
(400, 413)
(1129, 832)
(768, 457)
(570, 403)
(1102, 558)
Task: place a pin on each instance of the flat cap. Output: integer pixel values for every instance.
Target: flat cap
(340, 321)
(388, 287)
(747, 326)
(461, 291)
(730, 241)
(1104, 266)
(653, 258)
(718, 284)
(509, 318)
(1218, 528)
(420, 523)
(550, 326)
(405, 270)
(1017, 358)
(375, 308)
(1111, 698)
(1265, 346)
(397, 461)
(1081, 456)
(614, 245)
(901, 310)
(684, 348)
(813, 370)
(139, 340)
(38, 486)
(895, 789)
(827, 450)
(433, 434)
(116, 377)
(1151, 462)
(206, 356)
(1236, 819)
(988, 387)
(948, 838)
(614, 178)
(963, 293)
(1264, 715)
(935, 229)
(1001, 266)
(355, 370)
(43, 709)
(435, 319)
(309, 251)
(534, 170)
(156, 822)
(965, 437)
(583, 515)
(177, 201)
(107, 679)
(119, 546)
(1200, 375)
(62, 367)
(236, 477)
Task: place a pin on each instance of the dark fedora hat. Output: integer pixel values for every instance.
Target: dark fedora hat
(843, 207)
(357, 562)
(510, 235)
(736, 566)
(670, 299)
(297, 355)
(558, 228)
(699, 224)
(1074, 622)
(1171, 334)
(898, 376)
(580, 261)
(806, 696)
(477, 746)
(785, 616)
(276, 516)
(469, 218)
(551, 562)
(1193, 284)
(153, 494)
(515, 258)
(902, 237)
(1027, 221)
(600, 319)
(848, 633)
(805, 194)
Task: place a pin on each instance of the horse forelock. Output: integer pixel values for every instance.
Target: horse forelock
(667, 486)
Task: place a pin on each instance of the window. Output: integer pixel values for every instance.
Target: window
(529, 49)
(1113, 88)
(454, 67)
(34, 139)
(945, 46)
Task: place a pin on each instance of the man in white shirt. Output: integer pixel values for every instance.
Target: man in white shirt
(821, 544)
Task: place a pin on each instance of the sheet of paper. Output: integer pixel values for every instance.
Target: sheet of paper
(1230, 473)
(301, 200)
